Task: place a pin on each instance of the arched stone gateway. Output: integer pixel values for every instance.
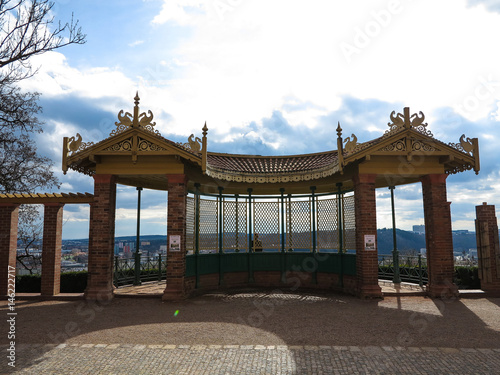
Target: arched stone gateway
(318, 205)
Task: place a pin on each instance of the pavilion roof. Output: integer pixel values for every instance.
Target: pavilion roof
(271, 164)
(138, 155)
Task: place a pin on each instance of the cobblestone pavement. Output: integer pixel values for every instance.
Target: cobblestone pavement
(255, 332)
(252, 359)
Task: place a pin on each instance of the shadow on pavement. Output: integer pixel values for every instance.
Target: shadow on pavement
(254, 317)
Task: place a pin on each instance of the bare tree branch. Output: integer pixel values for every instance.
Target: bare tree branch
(28, 29)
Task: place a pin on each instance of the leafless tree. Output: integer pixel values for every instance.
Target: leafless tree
(29, 236)
(27, 28)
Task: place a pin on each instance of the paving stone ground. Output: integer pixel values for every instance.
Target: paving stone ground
(252, 359)
(255, 332)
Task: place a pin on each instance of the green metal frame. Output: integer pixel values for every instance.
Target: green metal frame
(282, 260)
(296, 262)
(409, 268)
(148, 269)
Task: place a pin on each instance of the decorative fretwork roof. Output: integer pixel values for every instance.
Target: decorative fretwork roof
(271, 164)
(256, 168)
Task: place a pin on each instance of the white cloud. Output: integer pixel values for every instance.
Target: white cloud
(136, 43)
(182, 12)
(56, 78)
(79, 213)
(242, 66)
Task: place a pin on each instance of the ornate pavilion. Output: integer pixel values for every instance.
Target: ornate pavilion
(315, 213)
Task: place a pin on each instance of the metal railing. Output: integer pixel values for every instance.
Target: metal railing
(412, 269)
(153, 268)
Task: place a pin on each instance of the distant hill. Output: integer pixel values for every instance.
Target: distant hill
(408, 241)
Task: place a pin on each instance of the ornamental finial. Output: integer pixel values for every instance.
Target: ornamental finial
(205, 129)
(137, 120)
(339, 130)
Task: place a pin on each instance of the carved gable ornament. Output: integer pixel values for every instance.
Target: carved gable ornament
(408, 135)
(127, 120)
(403, 121)
(135, 134)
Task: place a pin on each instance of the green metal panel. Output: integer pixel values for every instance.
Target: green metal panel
(190, 265)
(236, 262)
(208, 263)
(349, 264)
(329, 263)
(297, 261)
(266, 261)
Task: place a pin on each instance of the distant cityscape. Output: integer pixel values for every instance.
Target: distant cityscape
(74, 253)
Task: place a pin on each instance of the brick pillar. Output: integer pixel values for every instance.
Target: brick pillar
(438, 237)
(176, 226)
(51, 249)
(9, 216)
(488, 250)
(366, 224)
(101, 239)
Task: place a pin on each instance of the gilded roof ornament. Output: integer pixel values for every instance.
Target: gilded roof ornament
(403, 120)
(75, 144)
(465, 145)
(193, 144)
(350, 144)
(127, 120)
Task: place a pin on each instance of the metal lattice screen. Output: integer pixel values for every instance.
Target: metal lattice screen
(234, 224)
(272, 222)
(190, 225)
(266, 223)
(209, 225)
(328, 224)
(349, 221)
(299, 225)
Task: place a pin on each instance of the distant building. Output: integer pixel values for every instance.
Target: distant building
(419, 228)
(423, 251)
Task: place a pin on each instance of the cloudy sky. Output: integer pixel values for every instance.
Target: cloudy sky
(274, 77)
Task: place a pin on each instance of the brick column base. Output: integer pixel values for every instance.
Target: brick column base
(51, 255)
(488, 250)
(438, 237)
(366, 224)
(9, 216)
(176, 226)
